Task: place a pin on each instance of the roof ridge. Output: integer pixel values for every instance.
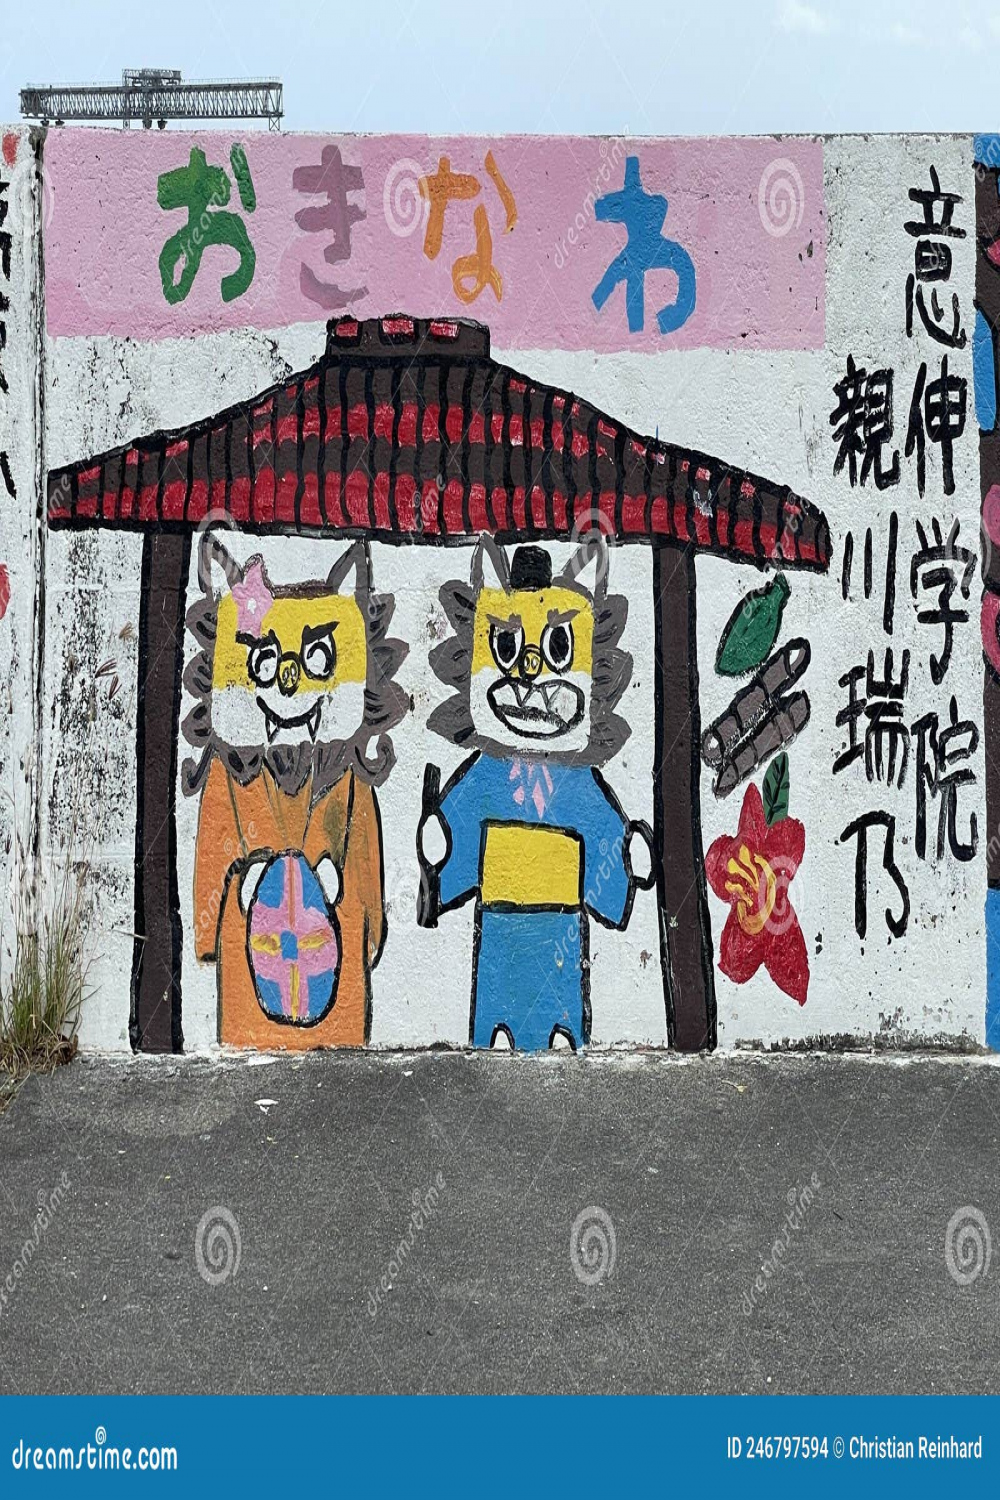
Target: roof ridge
(401, 336)
(409, 427)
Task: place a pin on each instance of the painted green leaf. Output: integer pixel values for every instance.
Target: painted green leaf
(752, 629)
(775, 795)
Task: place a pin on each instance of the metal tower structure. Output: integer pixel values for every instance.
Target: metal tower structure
(155, 94)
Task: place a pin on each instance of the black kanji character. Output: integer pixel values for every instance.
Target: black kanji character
(937, 411)
(929, 198)
(887, 738)
(862, 424)
(945, 568)
(956, 743)
(859, 829)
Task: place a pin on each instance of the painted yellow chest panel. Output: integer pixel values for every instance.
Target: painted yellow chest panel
(525, 866)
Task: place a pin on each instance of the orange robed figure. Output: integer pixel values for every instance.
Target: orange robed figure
(290, 684)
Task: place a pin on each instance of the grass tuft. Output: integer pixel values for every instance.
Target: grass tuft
(41, 998)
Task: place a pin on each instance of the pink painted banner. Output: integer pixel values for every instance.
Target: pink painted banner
(554, 242)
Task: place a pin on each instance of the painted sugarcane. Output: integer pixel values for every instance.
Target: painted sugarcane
(761, 719)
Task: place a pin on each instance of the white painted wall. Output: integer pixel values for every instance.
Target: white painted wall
(769, 411)
(20, 538)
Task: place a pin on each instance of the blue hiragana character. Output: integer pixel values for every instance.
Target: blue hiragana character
(643, 215)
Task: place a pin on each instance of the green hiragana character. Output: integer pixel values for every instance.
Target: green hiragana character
(203, 190)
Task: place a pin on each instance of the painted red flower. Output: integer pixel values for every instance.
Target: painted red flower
(752, 872)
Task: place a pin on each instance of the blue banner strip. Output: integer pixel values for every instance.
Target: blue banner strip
(588, 1445)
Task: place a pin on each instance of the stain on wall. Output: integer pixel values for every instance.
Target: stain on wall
(22, 539)
(496, 563)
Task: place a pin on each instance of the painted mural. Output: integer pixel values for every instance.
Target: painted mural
(538, 580)
(527, 826)
(293, 686)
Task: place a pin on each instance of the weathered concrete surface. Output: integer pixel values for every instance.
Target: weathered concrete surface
(693, 1162)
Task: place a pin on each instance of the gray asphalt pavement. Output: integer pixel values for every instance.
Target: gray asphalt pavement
(492, 1223)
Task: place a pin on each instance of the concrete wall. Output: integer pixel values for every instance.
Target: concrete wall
(746, 367)
(22, 529)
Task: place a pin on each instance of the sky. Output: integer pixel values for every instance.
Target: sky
(500, 66)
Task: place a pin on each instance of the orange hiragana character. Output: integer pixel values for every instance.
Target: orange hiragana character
(506, 196)
(470, 273)
(477, 267)
(440, 190)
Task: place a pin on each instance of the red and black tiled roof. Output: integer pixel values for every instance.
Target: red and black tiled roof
(407, 428)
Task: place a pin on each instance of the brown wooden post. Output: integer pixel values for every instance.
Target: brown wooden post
(156, 961)
(682, 893)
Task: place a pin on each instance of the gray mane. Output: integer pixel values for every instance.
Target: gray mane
(385, 700)
(451, 660)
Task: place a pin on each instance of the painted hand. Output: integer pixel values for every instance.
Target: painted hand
(433, 840)
(639, 854)
(329, 878)
(249, 882)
